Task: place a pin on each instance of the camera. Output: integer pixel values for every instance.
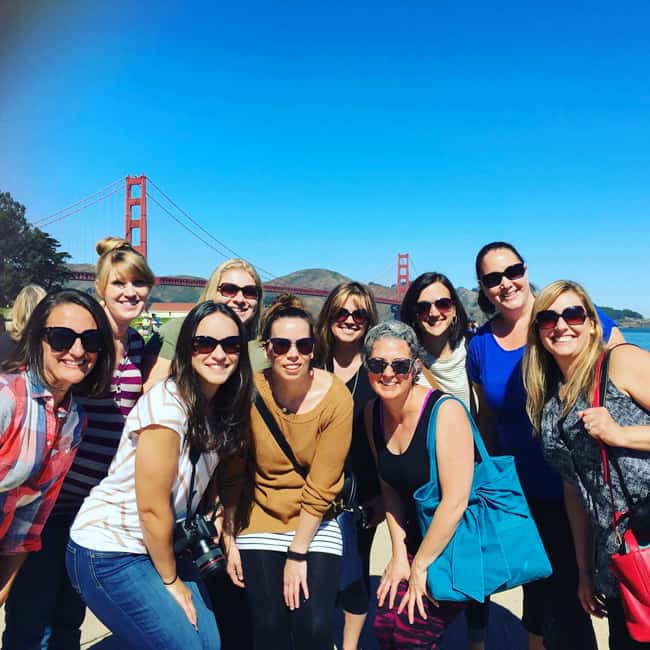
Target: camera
(196, 536)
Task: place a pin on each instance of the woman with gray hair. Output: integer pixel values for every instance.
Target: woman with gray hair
(397, 424)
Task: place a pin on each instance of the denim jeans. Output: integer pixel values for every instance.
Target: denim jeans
(43, 611)
(126, 593)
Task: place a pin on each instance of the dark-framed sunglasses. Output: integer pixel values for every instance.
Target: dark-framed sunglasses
(230, 290)
(359, 316)
(376, 365)
(512, 272)
(207, 344)
(281, 345)
(61, 339)
(443, 305)
(547, 319)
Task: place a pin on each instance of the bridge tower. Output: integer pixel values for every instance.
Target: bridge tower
(136, 224)
(402, 275)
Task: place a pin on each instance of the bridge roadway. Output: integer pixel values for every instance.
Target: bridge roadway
(169, 281)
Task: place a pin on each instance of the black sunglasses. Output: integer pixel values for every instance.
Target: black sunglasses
(230, 290)
(377, 365)
(359, 316)
(207, 344)
(282, 346)
(512, 272)
(61, 339)
(443, 305)
(548, 318)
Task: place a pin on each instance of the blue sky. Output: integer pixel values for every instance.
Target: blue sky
(336, 135)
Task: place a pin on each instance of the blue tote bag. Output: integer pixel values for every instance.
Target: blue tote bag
(496, 545)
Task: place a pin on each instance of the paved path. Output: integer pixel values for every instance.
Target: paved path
(505, 632)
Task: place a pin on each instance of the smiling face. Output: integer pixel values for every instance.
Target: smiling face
(438, 321)
(293, 365)
(508, 294)
(387, 384)
(124, 297)
(348, 331)
(68, 367)
(245, 308)
(564, 341)
(215, 368)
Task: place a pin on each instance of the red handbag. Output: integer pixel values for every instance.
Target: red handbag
(631, 565)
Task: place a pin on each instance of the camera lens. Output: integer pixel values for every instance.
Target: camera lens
(208, 558)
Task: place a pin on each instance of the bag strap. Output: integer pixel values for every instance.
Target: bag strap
(273, 427)
(428, 375)
(431, 436)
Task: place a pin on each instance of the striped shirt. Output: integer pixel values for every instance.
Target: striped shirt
(326, 540)
(108, 519)
(38, 443)
(106, 418)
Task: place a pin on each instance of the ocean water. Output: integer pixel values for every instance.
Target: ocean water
(638, 336)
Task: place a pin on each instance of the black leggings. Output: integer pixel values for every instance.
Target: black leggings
(274, 625)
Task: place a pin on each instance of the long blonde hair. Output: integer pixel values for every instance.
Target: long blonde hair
(541, 373)
(23, 307)
(118, 254)
(210, 291)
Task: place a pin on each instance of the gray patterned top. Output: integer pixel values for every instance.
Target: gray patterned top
(576, 456)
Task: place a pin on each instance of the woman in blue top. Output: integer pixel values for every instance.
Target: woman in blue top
(552, 613)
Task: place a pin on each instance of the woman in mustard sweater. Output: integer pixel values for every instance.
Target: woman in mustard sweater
(289, 554)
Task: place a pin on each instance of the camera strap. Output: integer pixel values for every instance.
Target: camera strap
(194, 459)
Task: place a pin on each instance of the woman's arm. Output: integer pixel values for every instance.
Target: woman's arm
(156, 467)
(583, 541)
(455, 460)
(629, 369)
(9, 567)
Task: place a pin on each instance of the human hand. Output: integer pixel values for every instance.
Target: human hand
(233, 563)
(183, 596)
(416, 592)
(396, 570)
(295, 579)
(598, 423)
(592, 602)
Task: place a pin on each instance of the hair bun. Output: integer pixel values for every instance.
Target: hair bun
(109, 244)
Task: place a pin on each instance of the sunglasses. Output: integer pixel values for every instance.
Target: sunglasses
(359, 316)
(443, 305)
(61, 339)
(207, 344)
(512, 272)
(377, 366)
(548, 318)
(282, 346)
(230, 290)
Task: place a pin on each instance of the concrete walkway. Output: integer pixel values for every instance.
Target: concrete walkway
(505, 632)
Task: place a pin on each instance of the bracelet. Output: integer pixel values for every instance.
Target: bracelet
(167, 584)
(298, 557)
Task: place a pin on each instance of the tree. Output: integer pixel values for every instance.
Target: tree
(27, 254)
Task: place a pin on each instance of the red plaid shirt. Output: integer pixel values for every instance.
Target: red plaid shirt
(38, 443)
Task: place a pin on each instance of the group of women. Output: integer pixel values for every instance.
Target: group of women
(253, 421)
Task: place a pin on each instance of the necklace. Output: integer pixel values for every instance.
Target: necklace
(356, 381)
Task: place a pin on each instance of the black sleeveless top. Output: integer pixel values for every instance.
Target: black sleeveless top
(407, 471)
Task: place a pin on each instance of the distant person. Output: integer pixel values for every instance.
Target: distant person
(121, 555)
(552, 614)
(289, 554)
(28, 297)
(431, 306)
(564, 348)
(66, 342)
(347, 314)
(43, 609)
(235, 283)
(397, 423)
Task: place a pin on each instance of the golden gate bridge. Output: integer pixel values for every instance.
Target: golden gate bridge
(136, 206)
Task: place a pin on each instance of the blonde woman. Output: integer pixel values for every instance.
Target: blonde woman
(22, 309)
(43, 607)
(564, 349)
(235, 283)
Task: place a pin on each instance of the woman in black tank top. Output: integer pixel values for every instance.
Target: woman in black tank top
(397, 423)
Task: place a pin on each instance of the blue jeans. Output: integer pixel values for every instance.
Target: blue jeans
(43, 610)
(126, 593)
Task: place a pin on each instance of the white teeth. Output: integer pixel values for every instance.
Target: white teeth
(74, 363)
